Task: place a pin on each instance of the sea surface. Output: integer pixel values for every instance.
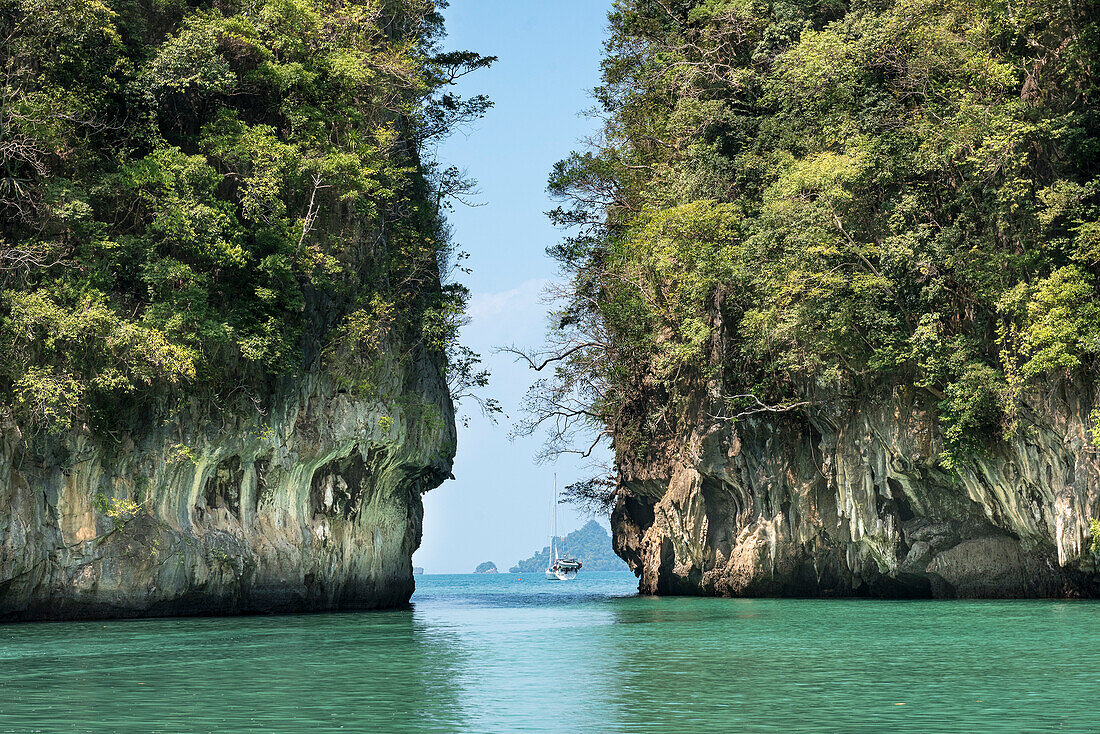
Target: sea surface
(508, 653)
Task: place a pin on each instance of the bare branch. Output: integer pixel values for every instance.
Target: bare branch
(759, 407)
(539, 367)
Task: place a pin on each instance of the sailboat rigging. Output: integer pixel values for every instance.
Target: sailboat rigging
(566, 567)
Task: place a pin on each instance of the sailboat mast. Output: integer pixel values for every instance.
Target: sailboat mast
(554, 538)
(551, 546)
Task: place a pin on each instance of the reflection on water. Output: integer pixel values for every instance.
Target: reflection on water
(532, 649)
(503, 653)
(277, 674)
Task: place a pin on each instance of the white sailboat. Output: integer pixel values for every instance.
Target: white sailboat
(566, 567)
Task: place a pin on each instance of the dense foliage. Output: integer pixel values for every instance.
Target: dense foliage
(198, 198)
(794, 203)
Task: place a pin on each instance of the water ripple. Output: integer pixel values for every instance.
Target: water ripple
(509, 653)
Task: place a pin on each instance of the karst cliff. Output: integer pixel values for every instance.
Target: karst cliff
(854, 501)
(833, 304)
(317, 508)
(227, 326)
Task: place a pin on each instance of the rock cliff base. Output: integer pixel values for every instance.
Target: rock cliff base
(856, 502)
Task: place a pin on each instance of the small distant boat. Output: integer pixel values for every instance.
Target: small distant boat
(566, 567)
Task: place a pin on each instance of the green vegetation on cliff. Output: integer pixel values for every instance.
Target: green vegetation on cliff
(590, 544)
(197, 198)
(795, 203)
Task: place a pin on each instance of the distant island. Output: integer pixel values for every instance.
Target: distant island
(591, 545)
(487, 567)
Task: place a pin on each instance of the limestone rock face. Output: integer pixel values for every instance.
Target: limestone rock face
(315, 505)
(854, 501)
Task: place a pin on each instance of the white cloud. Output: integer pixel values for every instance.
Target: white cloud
(519, 299)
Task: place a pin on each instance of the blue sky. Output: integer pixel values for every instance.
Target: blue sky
(498, 506)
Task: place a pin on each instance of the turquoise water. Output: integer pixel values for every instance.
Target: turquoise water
(503, 654)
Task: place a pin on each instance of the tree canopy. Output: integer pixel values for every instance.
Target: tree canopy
(198, 198)
(792, 202)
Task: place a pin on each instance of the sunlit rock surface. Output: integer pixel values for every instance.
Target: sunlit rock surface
(314, 506)
(854, 501)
